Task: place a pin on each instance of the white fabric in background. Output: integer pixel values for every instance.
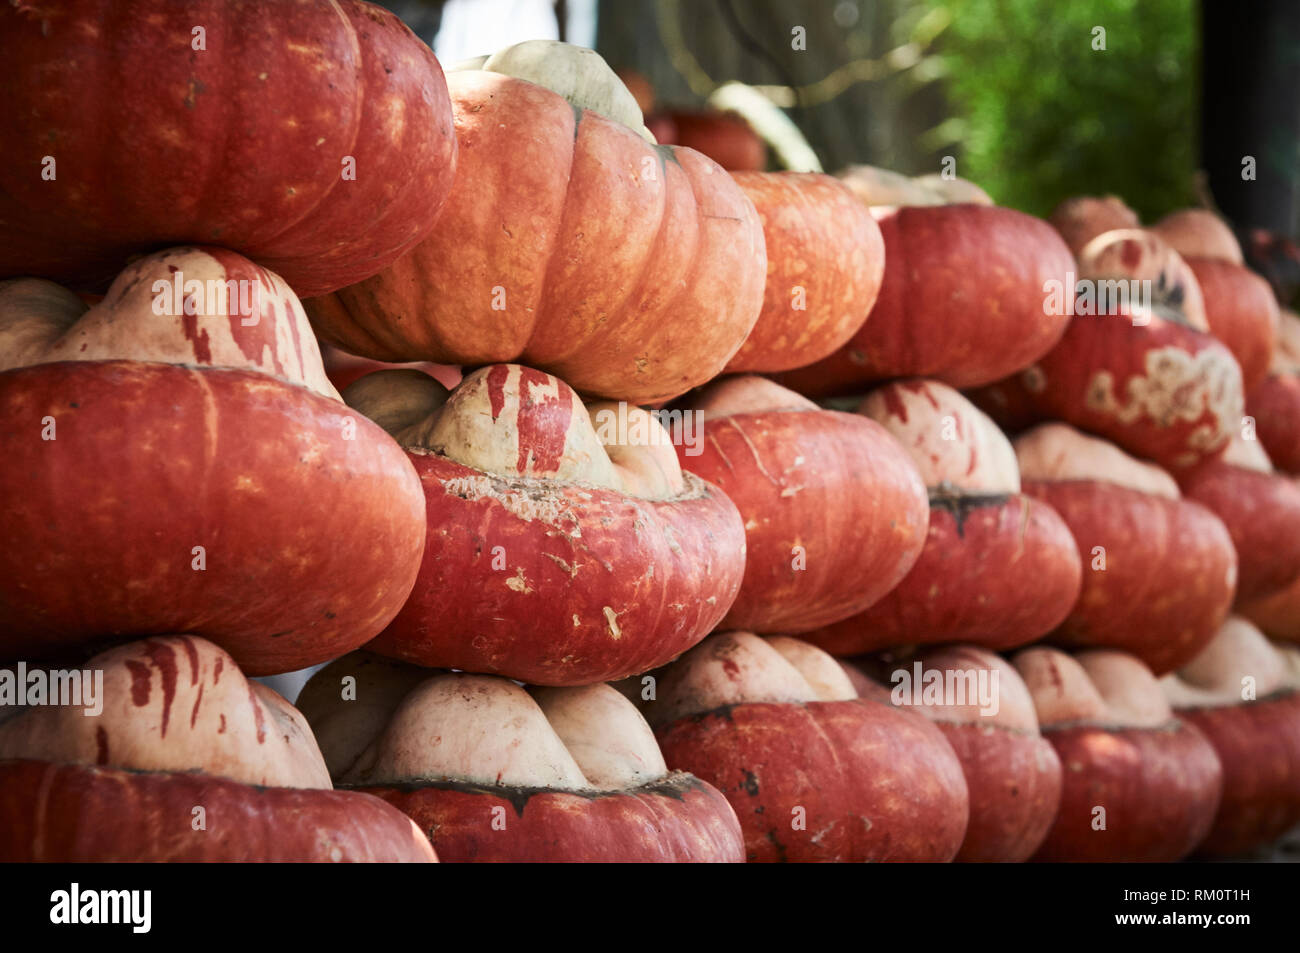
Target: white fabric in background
(478, 27)
(475, 27)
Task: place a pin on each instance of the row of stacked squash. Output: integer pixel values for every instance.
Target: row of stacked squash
(621, 589)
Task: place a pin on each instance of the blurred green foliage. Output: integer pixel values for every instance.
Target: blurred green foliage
(1045, 116)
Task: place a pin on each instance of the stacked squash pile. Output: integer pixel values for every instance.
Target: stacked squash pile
(661, 530)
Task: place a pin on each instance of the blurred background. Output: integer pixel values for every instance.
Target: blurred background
(1164, 102)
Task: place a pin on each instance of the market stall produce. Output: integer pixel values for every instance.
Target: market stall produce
(496, 773)
(1243, 693)
(814, 772)
(985, 537)
(179, 462)
(185, 760)
(961, 301)
(825, 262)
(1261, 510)
(1194, 264)
(600, 493)
(1159, 571)
(344, 156)
(981, 705)
(835, 512)
(1139, 784)
(1274, 405)
(1142, 371)
(565, 544)
(569, 243)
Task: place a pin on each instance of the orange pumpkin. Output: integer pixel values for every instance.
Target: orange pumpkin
(825, 263)
(569, 243)
(312, 136)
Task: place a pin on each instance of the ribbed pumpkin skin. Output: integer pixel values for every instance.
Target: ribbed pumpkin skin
(72, 813)
(678, 819)
(825, 263)
(1262, 513)
(969, 583)
(1160, 788)
(844, 781)
(247, 143)
(1242, 313)
(1158, 574)
(1161, 390)
(557, 583)
(1275, 407)
(569, 244)
(962, 301)
(310, 519)
(835, 513)
(1259, 745)
(1015, 790)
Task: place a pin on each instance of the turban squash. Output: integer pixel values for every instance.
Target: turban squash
(497, 773)
(835, 512)
(1243, 693)
(979, 702)
(1159, 570)
(177, 461)
(1140, 785)
(183, 760)
(814, 772)
(985, 537)
(565, 545)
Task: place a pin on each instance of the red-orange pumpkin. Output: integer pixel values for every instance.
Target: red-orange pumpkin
(1244, 696)
(495, 773)
(191, 470)
(979, 702)
(1261, 510)
(835, 512)
(562, 549)
(814, 772)
(572, 245)
(314, 137)
(985, 537)
(1274, 405)
(1241, 312)
(1161, 390)
(963, 301)
(725, 138)
(1139, 784)
(174, 725)
(825, 262)
(1159, 571)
